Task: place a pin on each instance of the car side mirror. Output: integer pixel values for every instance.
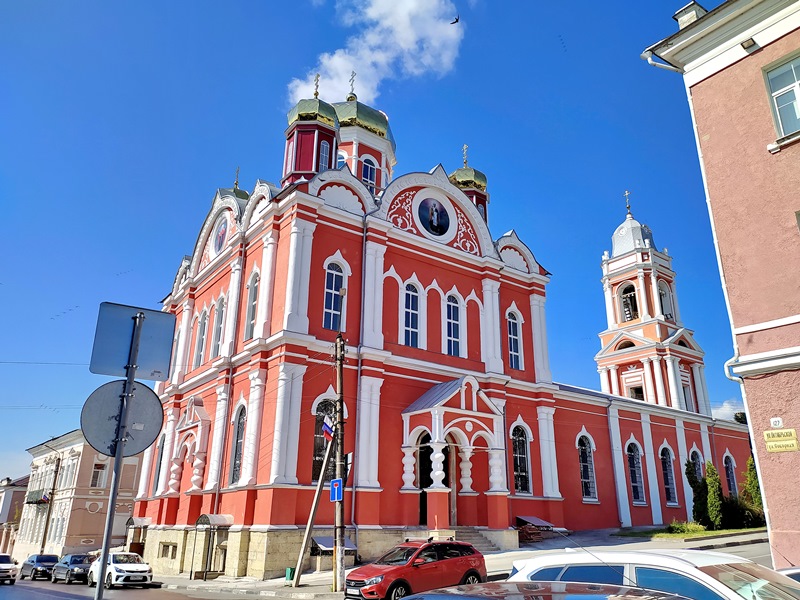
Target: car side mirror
(418, 561)
(16, 562)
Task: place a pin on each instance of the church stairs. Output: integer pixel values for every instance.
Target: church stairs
(474, 537)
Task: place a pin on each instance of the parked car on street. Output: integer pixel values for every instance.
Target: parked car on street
(38, 565)
(542, 590)
(416, 566)
(696, 574)
(8, 569)
(123, 568)
(71, 567)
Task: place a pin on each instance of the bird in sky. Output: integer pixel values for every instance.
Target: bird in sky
(454, 21)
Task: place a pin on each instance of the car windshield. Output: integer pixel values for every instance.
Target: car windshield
(78, 559)
(47, 558)
(5, 559)
(128, 559)
(754, 582)
(399, 555)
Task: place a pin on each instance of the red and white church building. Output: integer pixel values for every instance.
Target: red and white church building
(453, 422)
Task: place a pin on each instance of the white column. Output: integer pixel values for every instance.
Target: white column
(465, 466)
(683, 456)
(266, 286)
(233, 308)
(541, 358)
(305, 274)
(181, 354)
(295, 316)
(706, 443)
(699, 393)
(661, 395)
(437, 464)
(614, 379)
(609, 303)
(675, 302)
(252, 439)
(373, 295)
(547, 451)
(656, 297)
(286, 436)
(706, 397)
(368, 415)
(220, 418)
(169, 451)
(649, 390)
(491, 347)
(144, 474)
(619, 460)
(409, 462)
(603, 371)
(652, 470)
(643, 296)
(675, 393)
(497, 472)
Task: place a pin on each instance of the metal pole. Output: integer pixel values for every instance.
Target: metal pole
(310, 524)
(122, 425)
(339, 550)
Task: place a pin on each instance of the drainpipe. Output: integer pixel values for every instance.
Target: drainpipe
(648, 56)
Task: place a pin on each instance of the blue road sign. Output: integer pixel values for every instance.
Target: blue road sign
(336, 490)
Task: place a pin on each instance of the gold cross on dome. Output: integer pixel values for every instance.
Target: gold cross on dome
(627, 201)
(352, 81)
(316, 85)
(464, 150)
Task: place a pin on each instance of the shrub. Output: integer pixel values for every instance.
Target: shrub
(715, 497)
(751, 493)
(700, 494)
(684, 527)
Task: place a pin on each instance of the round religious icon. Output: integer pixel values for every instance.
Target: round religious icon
(433, 216)
(220, 232)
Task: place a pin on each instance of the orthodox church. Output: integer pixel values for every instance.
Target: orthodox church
(454, 425)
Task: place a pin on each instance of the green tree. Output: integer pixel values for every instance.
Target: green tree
(740, 417)
(700, 494)
(715, 497)
(752, 490)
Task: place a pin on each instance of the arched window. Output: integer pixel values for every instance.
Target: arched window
(216, 339)
(730, 475)
(324, 156)
(237, 447)
(200, 346)
(665, 298)
(519, 441)
(159, 460)
(368, 174)
(669, 476)
(411, 320)
(635, 471)
(453, 327)
(341, 160)
(514, 354)
(697, 463)
(334, 283)
(252, 306)
(327, 409)
(586, 460)
(630, 309)
(625, 344)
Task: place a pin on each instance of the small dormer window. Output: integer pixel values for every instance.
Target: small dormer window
(324, 156)
(630, 308)
(369, 174)
(341, 160)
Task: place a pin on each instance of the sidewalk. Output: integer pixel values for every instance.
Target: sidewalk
(317, 586)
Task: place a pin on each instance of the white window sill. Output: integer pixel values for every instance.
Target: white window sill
(639, 503)
(781, 143)
(591, 501)
(673, 505)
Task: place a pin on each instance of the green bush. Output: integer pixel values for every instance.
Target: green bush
(715, 497)
(751, 493)
(684, 527)
(700, 495)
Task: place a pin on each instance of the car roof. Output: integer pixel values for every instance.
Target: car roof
(542, 590)
(420, 543)
(662, 557)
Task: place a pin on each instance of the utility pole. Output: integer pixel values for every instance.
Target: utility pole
(339, 548)
(51, 499)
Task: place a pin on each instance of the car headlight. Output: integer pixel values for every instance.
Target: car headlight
(118, 570)
(373, 580)
(149, 570)
(77, 570)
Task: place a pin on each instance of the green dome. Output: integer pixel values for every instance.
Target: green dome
(313, 109)
(467, 177)
(354, 113)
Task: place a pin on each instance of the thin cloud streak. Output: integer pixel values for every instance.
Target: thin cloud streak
(395, 38)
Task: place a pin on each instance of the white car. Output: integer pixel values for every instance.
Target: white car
(694, 574)
(123, 568)
(8, 569)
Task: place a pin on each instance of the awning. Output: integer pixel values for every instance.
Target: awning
(326, 543)
(138, 522)
(214, 521)
(541, 524)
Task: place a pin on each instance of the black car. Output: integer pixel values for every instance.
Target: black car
(542, 590)
(38, 565)
(71, 567)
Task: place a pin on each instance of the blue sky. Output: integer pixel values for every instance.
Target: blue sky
(120, 120)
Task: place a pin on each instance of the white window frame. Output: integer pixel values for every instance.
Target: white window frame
(324, 156)
(794, 63)
(592, 479)
(729, 464)
(369, 174)
(527, 458)
(219, 327)
(200, 342)
(98, 478)
(332, 317)
(341, 160)
(409, 313)
(237, 443)
(252, 306)
(668, 475)
(637, 467)
(622, 296)
(666, 300)
(448, 341)
(515, 316)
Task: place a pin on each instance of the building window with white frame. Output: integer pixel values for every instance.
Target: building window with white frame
(237, 447)
(514, 350)
(697, 464)
(341, 160)
(324, 156)
(586, 460)
(665, 299)
(252, 307)
(784, 86)
(325, 410)
(369, 174)
(519, 443)
(200, 345)
(159, 460)
(411, 316)
(453, 326)
(219, 319)
(669, 476)
(630, 308)
(730, 476)
(98, 476)
(635, 471)
(334, 284)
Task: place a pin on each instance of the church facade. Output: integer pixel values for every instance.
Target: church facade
(453, 420)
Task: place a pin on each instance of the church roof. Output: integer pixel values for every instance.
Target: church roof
(630, 236)
(439, 393)
(354, 113)
(467, 177)
(313, 109)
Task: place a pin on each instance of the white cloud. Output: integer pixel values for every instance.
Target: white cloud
(395, 38)
(726, 410)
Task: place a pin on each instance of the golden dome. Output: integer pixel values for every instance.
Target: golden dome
(313, 109)
(467, 177)
(354, 113)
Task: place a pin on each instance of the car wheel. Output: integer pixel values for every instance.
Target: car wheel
(109, 584)
(21, 576)
(90, 580)
(11, 581)
(53, 578)
(398, 591)
(67, 579)
(471, 578)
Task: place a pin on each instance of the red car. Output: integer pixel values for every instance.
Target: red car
(416, 566)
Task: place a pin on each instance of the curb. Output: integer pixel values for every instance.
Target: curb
(731, 544)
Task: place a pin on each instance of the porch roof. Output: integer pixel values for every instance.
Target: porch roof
(437, 395)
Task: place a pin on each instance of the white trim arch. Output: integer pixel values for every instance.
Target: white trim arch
(422, 312)
(520, 422)
(337, 259)
(584, 433)
(251, 303)
(521, 425)
(520, 321)
(639, 471)
(730, 478)
(461, 339)
(329, 394)
(673, 482)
